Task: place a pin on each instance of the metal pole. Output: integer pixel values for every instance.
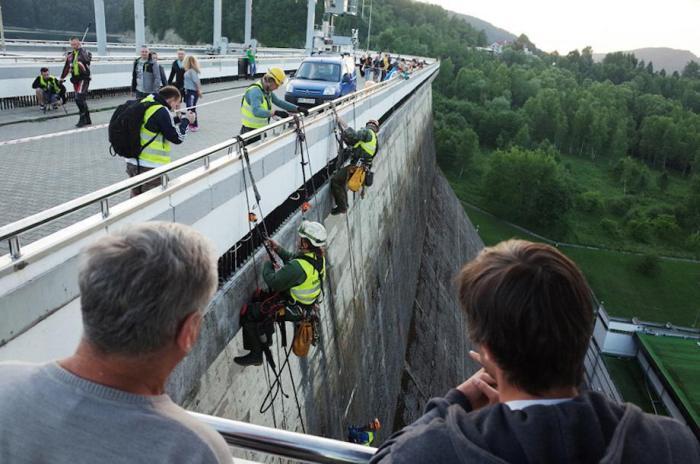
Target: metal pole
(369, 27)
(100, 28)
(2, 31)
(310, 20)
(139, 25)
(248, 22)
(217, 25)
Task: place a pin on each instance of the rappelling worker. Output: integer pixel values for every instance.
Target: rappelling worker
(362, 145)
(364, 435)
(293, 291)
(256, 105)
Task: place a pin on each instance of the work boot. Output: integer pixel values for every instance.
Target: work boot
(251, 359)
(88, 121)
(81, 121)
(338, 210)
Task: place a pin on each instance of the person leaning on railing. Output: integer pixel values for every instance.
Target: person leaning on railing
(142, 296)
(256, 104)
(529, 311)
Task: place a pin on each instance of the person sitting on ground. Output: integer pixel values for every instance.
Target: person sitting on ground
(48, 89)
(142, 296)
(158, 131)
(529, 311)
(362, 153)
(256, 104)
(364, 435)
(293, 291)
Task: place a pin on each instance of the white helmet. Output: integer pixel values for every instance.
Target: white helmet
(313, 232)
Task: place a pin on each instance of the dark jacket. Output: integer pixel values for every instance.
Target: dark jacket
(51, 84)
(588, 429)
(162, 122)
(177, 75)
(84, 59)
(149, 67)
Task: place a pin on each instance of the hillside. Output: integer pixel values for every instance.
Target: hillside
(670, 59)
(493, 33)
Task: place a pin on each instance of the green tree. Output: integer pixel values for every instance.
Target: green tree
(528, 187)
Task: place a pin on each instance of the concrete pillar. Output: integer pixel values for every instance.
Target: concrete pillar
(100, 27)
(139, 25)
(248, 36)
(217, 24)
(2, 31)
(310, 20)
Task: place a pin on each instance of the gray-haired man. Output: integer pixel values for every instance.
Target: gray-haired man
(142, 294)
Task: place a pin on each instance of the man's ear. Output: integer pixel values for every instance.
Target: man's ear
(189, 331)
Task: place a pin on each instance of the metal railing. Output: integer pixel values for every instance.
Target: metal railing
(291, 445)
(11, 232)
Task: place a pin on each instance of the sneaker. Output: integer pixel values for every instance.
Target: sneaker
(338, 210)
(251, 359)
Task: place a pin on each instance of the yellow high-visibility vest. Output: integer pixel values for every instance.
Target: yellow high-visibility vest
(248, 118)
(158, 151)
(308, 291)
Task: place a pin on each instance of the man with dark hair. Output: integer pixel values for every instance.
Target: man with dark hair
(529, 310)
(143, 292)
(48, 89)
(158, 131)
(78, 66)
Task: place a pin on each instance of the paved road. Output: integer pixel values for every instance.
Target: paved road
(40, 174)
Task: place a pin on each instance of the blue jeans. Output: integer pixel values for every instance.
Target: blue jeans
(191, 99)
(252, 69)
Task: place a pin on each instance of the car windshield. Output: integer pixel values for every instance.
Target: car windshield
(329, 72)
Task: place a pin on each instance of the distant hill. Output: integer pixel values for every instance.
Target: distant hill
(669, 59)
(493, 33)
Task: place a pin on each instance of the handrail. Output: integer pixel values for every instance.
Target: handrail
(292, 445)
(130, 58)
(12, 231)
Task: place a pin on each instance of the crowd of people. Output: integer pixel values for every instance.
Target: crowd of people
(383, 67)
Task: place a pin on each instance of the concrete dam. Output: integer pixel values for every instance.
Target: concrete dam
(391, 332)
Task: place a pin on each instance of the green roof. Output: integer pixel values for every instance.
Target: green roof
(679, 361)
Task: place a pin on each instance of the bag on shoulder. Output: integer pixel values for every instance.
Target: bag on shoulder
(124, 129)
(357, 179)
(303, 338)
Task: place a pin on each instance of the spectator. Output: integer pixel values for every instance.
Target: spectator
(529, 310)
(161, 71)
(78, 66)
(158, 131)
(250, 56)
(193, 88)
(177, 72)
(377, 67)
(142, 296)
(145, 78)
(48, 89)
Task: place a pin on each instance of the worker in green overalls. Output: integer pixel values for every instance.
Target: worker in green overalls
(293, 291)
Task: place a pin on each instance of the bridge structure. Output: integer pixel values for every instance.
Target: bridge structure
(203, 187)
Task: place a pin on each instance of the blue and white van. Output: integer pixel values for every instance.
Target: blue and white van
(320, 79)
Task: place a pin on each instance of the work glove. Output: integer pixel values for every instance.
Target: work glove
(281, 114)
(303, 111)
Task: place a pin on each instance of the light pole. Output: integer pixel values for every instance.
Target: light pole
(2, 31)
(369, 26)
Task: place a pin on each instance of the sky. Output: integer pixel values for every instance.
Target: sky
(606, 25)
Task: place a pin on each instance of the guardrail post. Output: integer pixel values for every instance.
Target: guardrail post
(15, 247)
(104, 206)
(206, 162)
(164, 181)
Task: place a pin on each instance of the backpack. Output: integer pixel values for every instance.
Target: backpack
(125, 129)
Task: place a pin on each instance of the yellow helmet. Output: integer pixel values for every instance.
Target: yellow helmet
(277, 75)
